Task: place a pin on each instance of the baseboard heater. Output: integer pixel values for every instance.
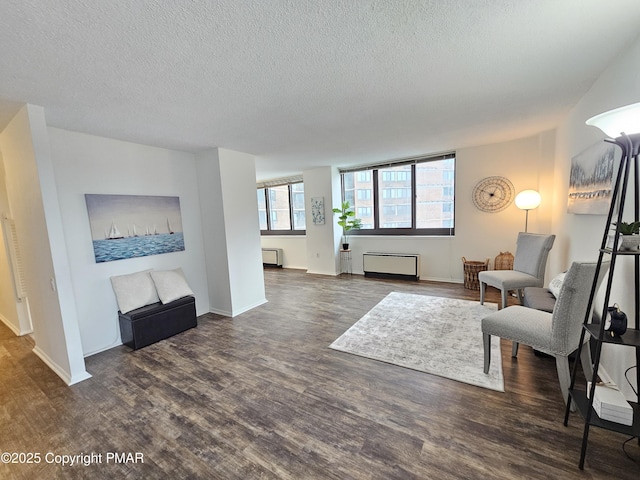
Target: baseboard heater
(272, 257)
(391, 265)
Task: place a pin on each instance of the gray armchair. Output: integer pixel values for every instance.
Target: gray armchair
(529, 265)
(557, 333)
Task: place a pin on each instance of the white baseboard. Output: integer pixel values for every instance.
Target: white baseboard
(13, 328)
(235, 313)
(102, 349)
(66, 378)
(250, 307)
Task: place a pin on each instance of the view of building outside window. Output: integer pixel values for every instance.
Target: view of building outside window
(435, 183)
(394, 197)
(358, 188)
(262, 209)
(297, 191)
(279, 208)
(434, 195)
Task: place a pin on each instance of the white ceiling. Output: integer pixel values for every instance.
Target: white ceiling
(306, 83)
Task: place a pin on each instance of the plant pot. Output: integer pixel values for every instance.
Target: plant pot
(629, 242)
(345, 246)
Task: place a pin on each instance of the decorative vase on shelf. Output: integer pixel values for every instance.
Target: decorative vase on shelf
(629, 242)
(629, 236)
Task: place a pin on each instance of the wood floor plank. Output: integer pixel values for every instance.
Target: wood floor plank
(262, 396)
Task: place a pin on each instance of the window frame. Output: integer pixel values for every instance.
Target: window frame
(290, 230)
(377, 206)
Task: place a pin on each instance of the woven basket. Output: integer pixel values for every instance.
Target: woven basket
(504, 261)
(471, 270)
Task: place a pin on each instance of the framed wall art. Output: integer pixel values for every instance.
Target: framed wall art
(129, 226)
(317, 210)
(591, 178)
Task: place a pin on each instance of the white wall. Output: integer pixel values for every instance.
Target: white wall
(32, 195)
(294, 249)
(238, 175)
(231, 230)
(322, 240)
(89, 164)
(581, 235)
(8, 300)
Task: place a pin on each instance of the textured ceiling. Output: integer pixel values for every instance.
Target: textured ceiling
(306, 83)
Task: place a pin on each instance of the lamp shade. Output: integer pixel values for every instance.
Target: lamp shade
(528, 200)
(620, 120)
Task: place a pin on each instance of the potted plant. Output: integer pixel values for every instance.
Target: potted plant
(348, 221)
(629, 235)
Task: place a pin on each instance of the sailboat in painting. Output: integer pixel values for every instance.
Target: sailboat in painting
(114, 233)
(171, 232)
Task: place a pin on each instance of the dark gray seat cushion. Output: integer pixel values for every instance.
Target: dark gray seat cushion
(539, 298)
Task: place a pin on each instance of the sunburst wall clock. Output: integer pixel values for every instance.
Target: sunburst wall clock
(493, 194)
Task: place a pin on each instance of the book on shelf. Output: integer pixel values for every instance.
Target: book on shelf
(610, 404)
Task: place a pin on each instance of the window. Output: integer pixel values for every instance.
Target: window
(363, 212)
(364, 194)
(281, 209)
(363, 176)
(414, 197)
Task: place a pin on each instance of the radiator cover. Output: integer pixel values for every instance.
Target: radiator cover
(272, 257)
(397, 265)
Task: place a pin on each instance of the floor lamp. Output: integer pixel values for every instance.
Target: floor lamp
(527, 200)
(622, 125)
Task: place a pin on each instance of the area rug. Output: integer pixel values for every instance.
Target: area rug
(441, 336)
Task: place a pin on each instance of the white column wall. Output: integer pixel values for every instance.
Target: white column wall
(32, 194)
(242, 226)
(322, 240)
(8, 301)
(227, 184)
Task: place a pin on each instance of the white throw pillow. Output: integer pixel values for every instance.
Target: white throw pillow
(134, 290)
(556, 284)
(171, 284)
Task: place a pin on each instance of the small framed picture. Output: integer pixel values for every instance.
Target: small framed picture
(317, 210)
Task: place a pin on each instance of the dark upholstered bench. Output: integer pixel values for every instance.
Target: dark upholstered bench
(152, 323)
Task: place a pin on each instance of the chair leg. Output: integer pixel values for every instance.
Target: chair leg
(486, 341)
(482, 284)
(514, 349)
(504, 294)
(521, 296)
(585, 358)
(564, 376)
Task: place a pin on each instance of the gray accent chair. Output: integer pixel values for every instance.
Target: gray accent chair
(556, 334)
(529, 264)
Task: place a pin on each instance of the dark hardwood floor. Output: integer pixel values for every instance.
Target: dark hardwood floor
(262, 396)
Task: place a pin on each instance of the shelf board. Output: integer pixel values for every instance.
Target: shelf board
(621, 252)
(582, 404)
(631, 338)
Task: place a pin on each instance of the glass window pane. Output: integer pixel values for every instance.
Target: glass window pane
(279, 208)
(262, 209)
(435, 194)
(299, 221)
(360, 195)
(394, 195)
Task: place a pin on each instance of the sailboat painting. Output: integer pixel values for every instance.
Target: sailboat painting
(129, 226)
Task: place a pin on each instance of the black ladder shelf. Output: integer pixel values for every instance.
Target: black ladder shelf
(609, 247)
